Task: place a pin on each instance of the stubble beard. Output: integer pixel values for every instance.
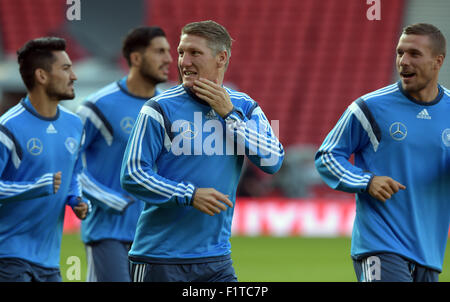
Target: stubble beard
(54, 93)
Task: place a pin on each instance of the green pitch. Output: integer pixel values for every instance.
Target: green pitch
(289, 259)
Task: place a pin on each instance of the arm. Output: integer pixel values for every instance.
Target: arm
(96, 127)
(355, 130)
(146, 142)
(24, 190)
(10, 191)
(103, 196)
(80, 206)
(254, 134)
(332, 158)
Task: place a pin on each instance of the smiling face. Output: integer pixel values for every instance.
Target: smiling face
(197, 60)
(417, 65)
(61, 78)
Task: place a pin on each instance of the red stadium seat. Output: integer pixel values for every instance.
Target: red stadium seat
(21, 20)
(303, 61)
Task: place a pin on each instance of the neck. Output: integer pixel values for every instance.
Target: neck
(427, 94)
(139, 86)
(43, 104)
(221, 78)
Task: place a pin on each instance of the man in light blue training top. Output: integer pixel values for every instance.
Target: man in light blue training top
(39, 166)
(184, 159)
(109, 115)
(400, 136)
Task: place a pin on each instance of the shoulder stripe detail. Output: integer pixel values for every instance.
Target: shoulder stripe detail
(170, 94)
(446, 91)
(89, 111)
(238, 94)
(62, 108)
(361, 111)
(380, 93)
(110, 89)
(381, 90)
(8, 139)
(15, 111)
(154, 111)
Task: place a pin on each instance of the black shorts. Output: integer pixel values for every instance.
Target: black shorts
(107, 261)
(388, 267)
(217, 271)
(19, 270)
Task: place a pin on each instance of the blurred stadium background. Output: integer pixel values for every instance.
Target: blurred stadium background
(304, 61)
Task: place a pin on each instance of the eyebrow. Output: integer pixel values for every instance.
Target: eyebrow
(411, 49)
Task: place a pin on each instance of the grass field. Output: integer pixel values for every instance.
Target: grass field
(288, 259)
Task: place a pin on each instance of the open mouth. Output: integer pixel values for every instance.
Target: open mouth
(407, 75)
(189, 73)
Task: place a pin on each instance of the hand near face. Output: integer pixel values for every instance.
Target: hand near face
(210, 201)
(383, 187)
(215, 95)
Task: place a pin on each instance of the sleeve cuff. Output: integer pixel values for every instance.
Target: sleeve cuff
(235, 112)
(191, 201)
(370, 181)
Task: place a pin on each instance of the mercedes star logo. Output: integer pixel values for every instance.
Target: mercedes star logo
(34, 146)
(398, 131)
(188, 130)
(127, 124)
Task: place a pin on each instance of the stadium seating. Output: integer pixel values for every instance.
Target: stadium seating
(303, 61)
(21, 20)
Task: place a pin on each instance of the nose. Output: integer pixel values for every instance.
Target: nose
(404, 60)
(73, 76)
(184, 60)
(169, 58)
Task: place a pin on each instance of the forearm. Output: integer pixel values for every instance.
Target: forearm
(156, 190)
(15, 191)
(340, 174)
(257, 139)
(103, 196)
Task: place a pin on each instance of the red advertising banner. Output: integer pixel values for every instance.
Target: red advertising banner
(280, 217)
(293, 217)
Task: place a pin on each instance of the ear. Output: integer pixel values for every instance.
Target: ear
(439, 60)
(41, 76)
(135, 58)
(222, 59)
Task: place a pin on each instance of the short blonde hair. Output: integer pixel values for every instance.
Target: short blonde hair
(215, 34)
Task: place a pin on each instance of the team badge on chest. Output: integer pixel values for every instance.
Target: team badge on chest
(446, 137)
(71, 145)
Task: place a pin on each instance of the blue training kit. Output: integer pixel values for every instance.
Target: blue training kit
(392, 134)
(178, 144)
(32, 149)
(108, 116)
